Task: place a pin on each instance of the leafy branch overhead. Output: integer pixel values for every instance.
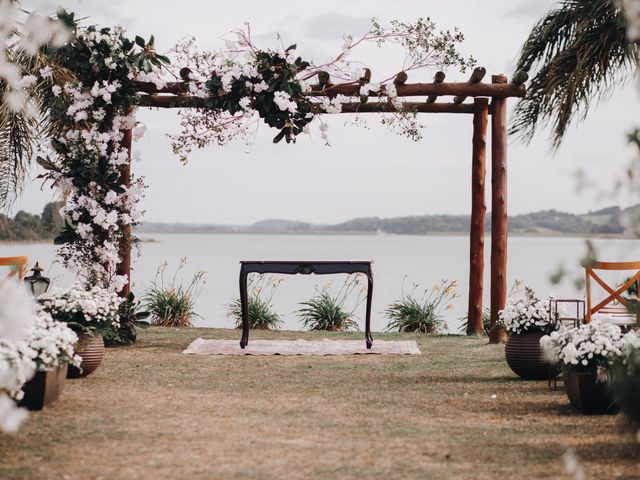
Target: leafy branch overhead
(243, 81)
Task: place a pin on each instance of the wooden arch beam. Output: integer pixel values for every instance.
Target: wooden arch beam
(180, 101)
(464, 89)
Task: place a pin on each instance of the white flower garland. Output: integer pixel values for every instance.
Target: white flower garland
(99, 216)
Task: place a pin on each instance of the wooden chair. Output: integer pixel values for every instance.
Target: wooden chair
(614, 308)
(19, 265)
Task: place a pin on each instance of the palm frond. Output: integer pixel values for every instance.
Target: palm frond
(18, 131)
(579, 52)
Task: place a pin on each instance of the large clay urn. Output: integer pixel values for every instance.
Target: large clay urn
(91, 349)
(525, 357)
(44, 388)
(587, 393)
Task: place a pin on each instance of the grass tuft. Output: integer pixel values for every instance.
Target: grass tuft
(325, 311)
(172, 304)
(422, 314)
(261, 290)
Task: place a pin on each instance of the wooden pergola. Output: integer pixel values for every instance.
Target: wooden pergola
(489, 99)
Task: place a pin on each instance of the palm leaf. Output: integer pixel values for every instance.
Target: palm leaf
(17, 138)
(20, 131)
(579, 53)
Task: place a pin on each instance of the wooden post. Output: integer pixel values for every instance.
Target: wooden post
(124, 267)
(478, 212)
(498, 211)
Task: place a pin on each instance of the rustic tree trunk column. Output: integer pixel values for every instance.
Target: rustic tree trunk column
(124, 267)
(498, 211)
(478, 212)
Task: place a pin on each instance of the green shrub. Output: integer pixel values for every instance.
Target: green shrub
(422, 314)
(517, 287)
(486, 322)
(172, 304)
(261, 289)
(131, 318)
(325, 311)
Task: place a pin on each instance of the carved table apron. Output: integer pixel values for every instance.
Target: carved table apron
(290, 267)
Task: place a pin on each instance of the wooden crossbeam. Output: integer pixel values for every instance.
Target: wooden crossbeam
(183, 101)
(476, 77)
(464, 89)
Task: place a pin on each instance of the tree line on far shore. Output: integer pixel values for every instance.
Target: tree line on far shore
(29, 227)
(608, 221)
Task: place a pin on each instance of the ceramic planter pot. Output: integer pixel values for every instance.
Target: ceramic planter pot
(586, 393)
(525, 357)
(44, 388)
(91, 350)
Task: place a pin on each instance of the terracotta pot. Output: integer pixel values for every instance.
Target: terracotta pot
(586, 393)
(44, 388)
(91, 349)
(524, 356)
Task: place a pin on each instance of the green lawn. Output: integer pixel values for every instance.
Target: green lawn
(150, 412)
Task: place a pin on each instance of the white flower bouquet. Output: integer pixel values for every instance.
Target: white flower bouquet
(526, 314)
(53, 343)
(588, 347)
(17, 312)
(93, 311)
(17, 367)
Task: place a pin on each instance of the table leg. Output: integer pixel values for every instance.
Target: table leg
(369, 338)
(244, 303)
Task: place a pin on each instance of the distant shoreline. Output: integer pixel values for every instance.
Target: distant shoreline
(352, 233)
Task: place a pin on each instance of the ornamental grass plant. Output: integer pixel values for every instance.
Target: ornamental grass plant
(327, 311)
(171, 304)
(261, 290)
(486, 322)
(422, 313)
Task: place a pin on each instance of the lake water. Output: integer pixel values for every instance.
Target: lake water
(423, 259)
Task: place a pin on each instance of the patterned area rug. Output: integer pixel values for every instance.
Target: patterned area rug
(203, 346)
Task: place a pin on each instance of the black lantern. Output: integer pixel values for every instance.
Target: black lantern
(36, 282)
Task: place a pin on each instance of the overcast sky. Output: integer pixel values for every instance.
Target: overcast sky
(365, 171)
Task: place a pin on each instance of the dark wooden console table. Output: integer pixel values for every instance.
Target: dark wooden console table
(290, 267)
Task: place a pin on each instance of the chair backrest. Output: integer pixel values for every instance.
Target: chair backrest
(615, 293)
(19, 265)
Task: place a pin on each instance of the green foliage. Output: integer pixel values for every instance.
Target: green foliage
(579, 52)
(486, 322)
(423, 314)
(131, 318)
(325, 311)
(25, 226)
(261, 289)
(423, 43)
(171, 304)
(146, 59)
(281, 76)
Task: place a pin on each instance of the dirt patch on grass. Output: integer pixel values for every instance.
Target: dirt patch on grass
(150, 412)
